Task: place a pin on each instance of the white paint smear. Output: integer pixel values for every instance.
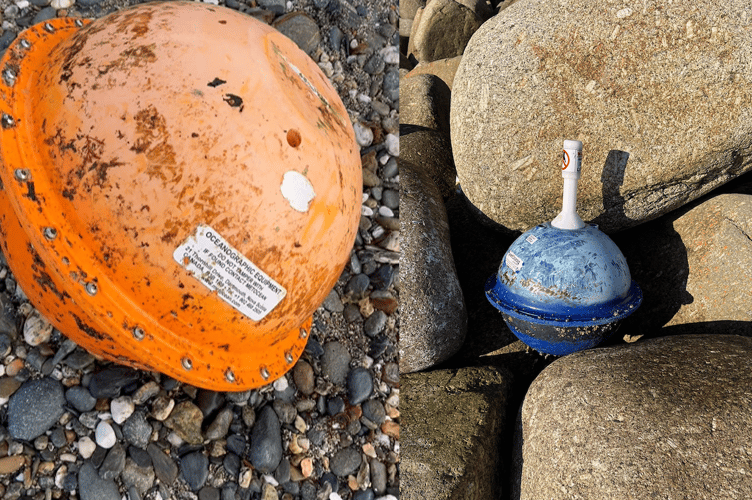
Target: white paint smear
(297, 189)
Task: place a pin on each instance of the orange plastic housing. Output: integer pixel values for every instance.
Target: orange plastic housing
(181, 188)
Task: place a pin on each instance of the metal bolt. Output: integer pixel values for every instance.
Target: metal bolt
(91, 288)
(265, 373)
(79, 23)
(25, 44)
(9, 76)
(229, 375)
(8, 121)
(50, 28)
(50, 233)
(303, 333)
(288, 357)
(22, 174)
(187, 363)
(138, 333)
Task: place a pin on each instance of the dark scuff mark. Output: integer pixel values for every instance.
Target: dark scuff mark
(225, 347)
(234, 101)
(69, 193)
(216, 82)
(31, 194)
(91, 332)
(45, 282)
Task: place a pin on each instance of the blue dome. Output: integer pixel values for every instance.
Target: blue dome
(563, 285)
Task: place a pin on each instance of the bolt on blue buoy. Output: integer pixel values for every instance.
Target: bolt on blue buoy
(564, 286)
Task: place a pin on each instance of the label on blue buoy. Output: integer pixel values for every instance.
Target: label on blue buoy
(514, 262)
(531, 239)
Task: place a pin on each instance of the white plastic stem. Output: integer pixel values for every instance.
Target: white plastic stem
(571, 165)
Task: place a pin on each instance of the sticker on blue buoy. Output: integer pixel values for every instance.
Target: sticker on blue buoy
(514, 262)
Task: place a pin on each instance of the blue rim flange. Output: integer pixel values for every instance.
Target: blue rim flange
(562, 316)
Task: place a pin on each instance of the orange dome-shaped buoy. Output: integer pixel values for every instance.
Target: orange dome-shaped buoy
(181, 188)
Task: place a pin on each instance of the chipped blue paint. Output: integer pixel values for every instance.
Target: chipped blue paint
(563, 290)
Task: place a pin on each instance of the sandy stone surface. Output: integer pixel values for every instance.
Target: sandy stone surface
(659, 95)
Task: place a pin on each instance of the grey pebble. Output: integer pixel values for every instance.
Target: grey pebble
(331, 480)
(374, 65)
(220, 425)
(282, 473)
(231, 463)
(266, 441)
(93, 487)
(336, 362)
(363, 495)
(383, 278)
(89, 419)
(65, 348)
(378, 477)
(228, 491)
(345, 462)
(78, 359)
(70, 482)
(335, 405)
(335, 36)
(390, 169)
(108, 383)
(314, 348)
(285, 411)
(97, 458)
(44, 15)
(136, 430)
(391, 85)
(359, 385)
(379, 345)
(195, 469)
(375, 323)
(140, 477)
(374, 411)
(209, 401)
(57, 437)
(5, 342)
(333, 303)
(35, 359)
(34, 408)
(164, 466)
(236, 444)
(139, 456)
(114, 462)
(352, 313)
(357, 286)
(133, 493)
(390, 198)
(276, 6)
(308, 491)
(208, 493)
(239, 398)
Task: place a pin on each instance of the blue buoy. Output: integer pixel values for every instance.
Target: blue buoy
(564, 286)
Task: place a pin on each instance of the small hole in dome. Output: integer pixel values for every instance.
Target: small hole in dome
(293, 138)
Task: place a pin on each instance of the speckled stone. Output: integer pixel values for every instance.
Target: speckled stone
(34, 408)
(443, 29)
(451, 426)
(434, 318)
(655, 94)
(638, 421)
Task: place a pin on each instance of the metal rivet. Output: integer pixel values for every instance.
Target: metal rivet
(289, 358)
(91, 288)
(50, 233)
(50, 28)
(229, 375)
(9, 76)
(303, 333)
(22, 174)
(79, 23)
(8, 121)
(265, 373)
(25, 44)
(138, 333)
(187, 363)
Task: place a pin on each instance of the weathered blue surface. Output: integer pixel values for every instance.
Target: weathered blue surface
(563, 290)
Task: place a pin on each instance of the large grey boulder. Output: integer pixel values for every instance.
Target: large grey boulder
(433, 318)
(659, 418)
(660, 97)
(451, 439)
(443, 28)
(695, 269)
